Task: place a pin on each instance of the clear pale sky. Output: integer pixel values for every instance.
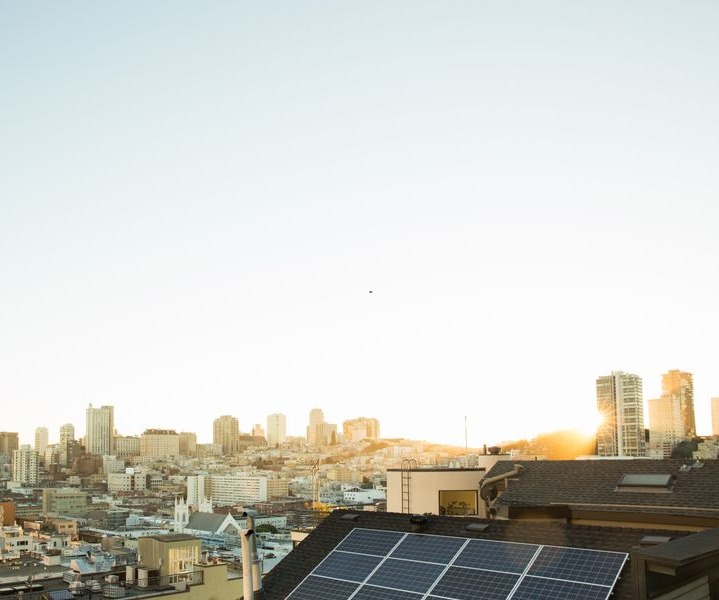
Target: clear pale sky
(196, 199)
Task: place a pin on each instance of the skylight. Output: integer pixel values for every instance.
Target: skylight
(646, 482)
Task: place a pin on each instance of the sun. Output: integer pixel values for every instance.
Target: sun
(589, 423)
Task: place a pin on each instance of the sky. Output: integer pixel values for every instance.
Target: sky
(449, 216)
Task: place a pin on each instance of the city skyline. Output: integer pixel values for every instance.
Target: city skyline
(452, 217)
(618, 389)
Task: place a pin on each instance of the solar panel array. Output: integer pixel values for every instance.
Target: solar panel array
(370, 564)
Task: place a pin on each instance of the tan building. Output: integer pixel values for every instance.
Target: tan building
(100, 430)
(278, 488)
(671, 416)
(7, 513)
(127, 446)
(438, 491)
(188, 443)
(360, 429)
(159, 442)
(64, 501)
(129, 481)
(225, 430)
(174, 560)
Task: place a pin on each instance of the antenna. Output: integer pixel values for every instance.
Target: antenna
(466, 450)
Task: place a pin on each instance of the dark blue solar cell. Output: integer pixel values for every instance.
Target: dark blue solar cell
(406, 575)
(535, 588)
(370, 592)
(509, 557)
(313, 588)
(466, 584)
(576, 564)
(428, 548)
(349, 566)
(370, 541)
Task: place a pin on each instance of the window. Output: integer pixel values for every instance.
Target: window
(458, 502)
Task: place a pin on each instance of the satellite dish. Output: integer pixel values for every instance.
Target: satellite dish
(488, 492)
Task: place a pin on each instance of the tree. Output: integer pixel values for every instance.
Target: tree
(266, 528)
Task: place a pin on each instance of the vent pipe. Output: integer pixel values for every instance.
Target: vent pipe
(256, 570)
(248, 592)
(486, 481)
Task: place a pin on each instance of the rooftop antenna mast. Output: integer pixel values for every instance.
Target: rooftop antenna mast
(466, 449)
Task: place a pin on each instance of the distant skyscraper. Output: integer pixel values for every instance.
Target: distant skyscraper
(100, 430)
(67, 432)
(225, 432)
(41, 439)
(67, 447)
(715, 416)
(25, 465)
(188, 443)
(9, 442)
(620, 402)
(360, 429)
(317, 419)
(276, 429)
(671, 416)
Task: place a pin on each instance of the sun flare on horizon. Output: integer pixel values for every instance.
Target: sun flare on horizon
(589, 424)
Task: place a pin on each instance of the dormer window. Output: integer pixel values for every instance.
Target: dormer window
(652, 483)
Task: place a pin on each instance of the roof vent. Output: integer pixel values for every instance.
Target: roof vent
(697, 465)
(418, 522)
(654, 540)
(350, 517)
(477, 527)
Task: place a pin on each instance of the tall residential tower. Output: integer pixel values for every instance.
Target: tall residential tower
(100, 430)
(225, 433)
(276, 429)
(620, 402)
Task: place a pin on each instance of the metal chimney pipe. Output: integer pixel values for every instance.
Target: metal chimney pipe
(256, 570)
(248, 592)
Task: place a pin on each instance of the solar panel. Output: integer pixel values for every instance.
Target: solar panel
(576, 564)
(321, 587)
(429, 548)
(351, 567)
(371, 592)
(406, 575)
(370, 541)
(462, 584)
(371, 564)
(537, 588)
(509, 557)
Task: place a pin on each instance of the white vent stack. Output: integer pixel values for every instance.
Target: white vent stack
(256, 570)
(247, 587)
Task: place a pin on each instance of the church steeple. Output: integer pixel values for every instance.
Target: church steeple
(182, 515)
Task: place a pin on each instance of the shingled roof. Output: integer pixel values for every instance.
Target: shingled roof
(290, 572)
(593, 484)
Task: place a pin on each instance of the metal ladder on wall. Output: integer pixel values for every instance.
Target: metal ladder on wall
(407, 465)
